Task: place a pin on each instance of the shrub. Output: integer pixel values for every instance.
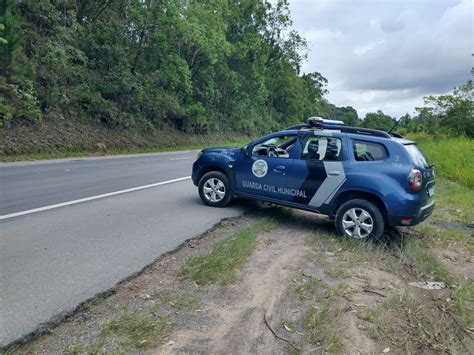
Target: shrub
(453, 157)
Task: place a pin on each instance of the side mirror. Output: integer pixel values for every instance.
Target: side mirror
(245, 151)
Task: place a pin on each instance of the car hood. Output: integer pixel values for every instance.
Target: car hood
(221, 150)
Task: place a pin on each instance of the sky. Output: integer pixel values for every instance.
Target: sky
(387, 54)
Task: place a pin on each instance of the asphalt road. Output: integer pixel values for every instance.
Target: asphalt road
(52, 260)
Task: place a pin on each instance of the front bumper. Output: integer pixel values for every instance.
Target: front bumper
(195, 173)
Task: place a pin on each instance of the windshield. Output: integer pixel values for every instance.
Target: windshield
(417, 156)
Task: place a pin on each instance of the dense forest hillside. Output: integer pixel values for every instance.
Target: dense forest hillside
(78, 72)
(197, 66)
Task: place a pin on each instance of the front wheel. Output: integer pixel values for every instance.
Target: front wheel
(359, 219)
(214, 189)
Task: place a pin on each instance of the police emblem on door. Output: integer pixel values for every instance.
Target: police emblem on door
(260, 168)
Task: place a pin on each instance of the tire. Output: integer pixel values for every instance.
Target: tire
(359, 219)
(214, 189)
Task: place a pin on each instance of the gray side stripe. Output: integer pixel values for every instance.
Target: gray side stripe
(327, 190)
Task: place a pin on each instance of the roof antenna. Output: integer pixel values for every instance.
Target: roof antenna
(396, 124)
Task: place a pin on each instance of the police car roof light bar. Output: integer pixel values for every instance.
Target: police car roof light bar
(318, 122)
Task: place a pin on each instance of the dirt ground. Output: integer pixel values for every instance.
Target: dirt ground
(302, 290)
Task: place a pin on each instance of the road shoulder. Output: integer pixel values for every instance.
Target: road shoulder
(299, 289)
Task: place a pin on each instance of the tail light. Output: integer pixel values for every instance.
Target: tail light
(415, 180)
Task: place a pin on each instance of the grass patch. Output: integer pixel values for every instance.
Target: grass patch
(221, 264)
(461, 291)
(423, 261)
(177, 300)
(92, 349)
(462, 294)
(454, 202)
(137, 331)
(370, 314)
(320, 327)
(321, 321)
(453, 157)
(339, 290)
(129, 332)
(308, 289)
(444, 238)
(411, 325)
(349, 251)
(336, 271)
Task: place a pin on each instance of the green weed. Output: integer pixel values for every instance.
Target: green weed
(453, 157)
(97, 348)
(370, 314)
(177, 300)
(309, 289)
(454, 202)
(410, 324)
(320, 327)
(413, 254)
(220, 265)
(137, 331)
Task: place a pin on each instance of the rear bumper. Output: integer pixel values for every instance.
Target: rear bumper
(422, 214)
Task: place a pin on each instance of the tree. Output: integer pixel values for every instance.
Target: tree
(451, 113)
(346, 114)
(196, 65)
(10, 42)
(378, 120)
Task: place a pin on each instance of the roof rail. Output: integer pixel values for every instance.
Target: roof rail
(396, 135)
(298, 126)
(366, 131)
(314, 125)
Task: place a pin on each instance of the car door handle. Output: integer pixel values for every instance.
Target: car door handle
(334, 173)
(279, 169)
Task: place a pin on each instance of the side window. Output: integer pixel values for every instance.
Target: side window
(277, 147)
(322, 148)
(368, 151)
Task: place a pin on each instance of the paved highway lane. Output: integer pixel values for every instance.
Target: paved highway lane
(51, 261)
(29, 185)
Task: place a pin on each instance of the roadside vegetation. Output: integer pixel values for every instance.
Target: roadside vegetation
(129, 331)
(82, 77)
(115, 145)
(221, 264)
(453, 157)
(148, 66)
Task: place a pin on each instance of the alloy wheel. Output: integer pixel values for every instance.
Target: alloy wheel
(357, 223)
(214, 190)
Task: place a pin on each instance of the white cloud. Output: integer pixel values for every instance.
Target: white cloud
(387, 54)
(361, 50)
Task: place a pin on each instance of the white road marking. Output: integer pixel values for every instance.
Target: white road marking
(92, 198)
(182, 158)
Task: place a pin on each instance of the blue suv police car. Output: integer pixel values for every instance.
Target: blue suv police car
(363, 179)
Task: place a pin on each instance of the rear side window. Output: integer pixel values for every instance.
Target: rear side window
(322, 148)
(417, 156)
(368, 151)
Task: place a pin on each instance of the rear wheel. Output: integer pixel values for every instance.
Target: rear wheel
(214, 189)
(359, 219)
